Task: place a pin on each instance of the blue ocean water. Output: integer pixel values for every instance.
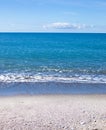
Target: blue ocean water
(53, 57)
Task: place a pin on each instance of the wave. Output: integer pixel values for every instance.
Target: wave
(22, 77)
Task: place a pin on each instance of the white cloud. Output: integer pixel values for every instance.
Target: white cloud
(65, 25)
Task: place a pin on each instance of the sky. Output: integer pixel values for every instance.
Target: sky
(53, 16)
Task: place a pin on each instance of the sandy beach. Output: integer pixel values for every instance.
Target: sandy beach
(53, 112)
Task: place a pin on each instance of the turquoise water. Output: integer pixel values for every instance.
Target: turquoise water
(53, 57)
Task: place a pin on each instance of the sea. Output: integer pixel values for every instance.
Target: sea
(52, 63)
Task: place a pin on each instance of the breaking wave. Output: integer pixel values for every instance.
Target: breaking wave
(23, 77)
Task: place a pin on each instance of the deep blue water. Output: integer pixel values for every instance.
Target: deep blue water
(53, 57)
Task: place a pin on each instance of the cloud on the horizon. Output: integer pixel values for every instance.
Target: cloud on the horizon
(65, 25)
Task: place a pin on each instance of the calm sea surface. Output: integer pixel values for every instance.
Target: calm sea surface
(53, 57)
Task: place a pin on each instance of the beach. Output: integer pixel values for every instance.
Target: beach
(52, 81)
(53, 112)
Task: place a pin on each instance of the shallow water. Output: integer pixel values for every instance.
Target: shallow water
(11, 89)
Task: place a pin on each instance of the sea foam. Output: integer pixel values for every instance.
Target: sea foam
(14, 77)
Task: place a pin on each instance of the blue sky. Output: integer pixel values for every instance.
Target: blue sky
(52, 15)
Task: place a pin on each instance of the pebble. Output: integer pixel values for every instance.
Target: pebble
(82, 123)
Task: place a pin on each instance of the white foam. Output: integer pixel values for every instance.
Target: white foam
(14, 77)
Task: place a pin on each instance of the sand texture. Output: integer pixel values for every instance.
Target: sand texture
(53, 112)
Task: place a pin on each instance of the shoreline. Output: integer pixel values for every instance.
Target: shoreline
(53, 112)
(39, 88)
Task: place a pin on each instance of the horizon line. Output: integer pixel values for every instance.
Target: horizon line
(53, 32)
